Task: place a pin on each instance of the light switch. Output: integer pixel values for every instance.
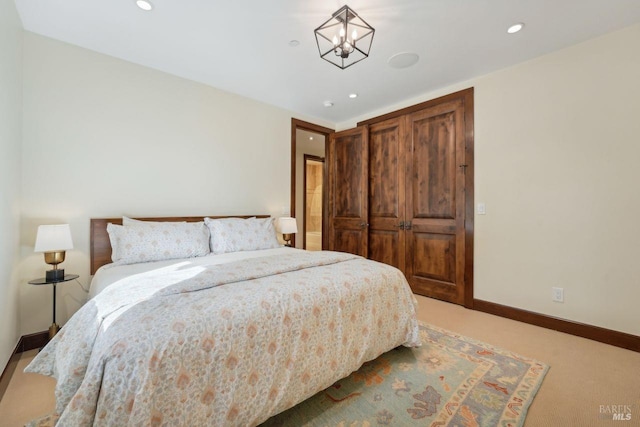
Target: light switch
(482, 209)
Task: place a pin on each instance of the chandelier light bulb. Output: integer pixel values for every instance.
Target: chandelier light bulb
(354, 35)
(342, 32)
(335, 40)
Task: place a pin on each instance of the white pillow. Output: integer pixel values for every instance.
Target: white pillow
(159, 241)
(237, 234)
(126, 221)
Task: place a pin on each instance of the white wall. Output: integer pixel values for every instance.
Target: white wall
(104, 137)
(10, 136)
(556, 162)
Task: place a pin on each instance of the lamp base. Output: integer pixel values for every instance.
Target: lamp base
(54, 275)
(53, 330)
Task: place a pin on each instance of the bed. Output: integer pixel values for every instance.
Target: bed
(227, 339)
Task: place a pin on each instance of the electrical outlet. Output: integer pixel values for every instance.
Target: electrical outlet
(557, 294)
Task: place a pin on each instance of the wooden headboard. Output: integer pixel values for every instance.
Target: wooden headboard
(99, 238)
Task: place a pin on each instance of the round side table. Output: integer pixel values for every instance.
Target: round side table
(54, 328)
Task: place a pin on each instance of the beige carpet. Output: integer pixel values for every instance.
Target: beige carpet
(584, 374)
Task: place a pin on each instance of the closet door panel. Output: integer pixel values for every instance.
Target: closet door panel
(384, 167)
(348, 203)
(432, 256)
(386, 192)
(384, 246)
(349, 241)
(435, 202)
(434, 167)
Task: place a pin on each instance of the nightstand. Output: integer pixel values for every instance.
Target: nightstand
(54, 328)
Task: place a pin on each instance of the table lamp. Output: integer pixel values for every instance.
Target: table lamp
(53, 240)
(287, 226)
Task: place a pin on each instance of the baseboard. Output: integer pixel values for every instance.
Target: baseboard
(8, 371)
(25, 343)
(596, 333)
(33, 341)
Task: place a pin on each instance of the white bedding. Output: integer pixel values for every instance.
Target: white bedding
(184, 343)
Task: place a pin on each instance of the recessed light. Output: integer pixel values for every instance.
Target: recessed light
(294, 43)
(144, 4)
(310, 138)
(353, 95)
(515, 28)
(328, 104)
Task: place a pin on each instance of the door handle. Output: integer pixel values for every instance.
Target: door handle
(407, 225)
(363, 225)
(401, 225)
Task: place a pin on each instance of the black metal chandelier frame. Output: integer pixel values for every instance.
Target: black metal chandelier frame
(337, 47)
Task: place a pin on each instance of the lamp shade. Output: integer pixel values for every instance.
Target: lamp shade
(287, 225)
(52, 238)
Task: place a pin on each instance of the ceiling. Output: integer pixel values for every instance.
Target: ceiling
(242, 46)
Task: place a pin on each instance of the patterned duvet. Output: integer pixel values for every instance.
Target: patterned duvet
(225, 345)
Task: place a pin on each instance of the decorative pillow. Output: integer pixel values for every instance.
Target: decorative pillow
(237, 234)
(156, 242)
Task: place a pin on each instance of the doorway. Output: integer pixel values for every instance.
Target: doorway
(312, 202)
(308, 139)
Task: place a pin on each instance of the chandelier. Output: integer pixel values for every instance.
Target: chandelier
(345, 38)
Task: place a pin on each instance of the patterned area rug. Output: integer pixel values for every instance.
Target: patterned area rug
(450, 381)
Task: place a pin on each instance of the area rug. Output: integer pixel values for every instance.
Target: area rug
(450, 381)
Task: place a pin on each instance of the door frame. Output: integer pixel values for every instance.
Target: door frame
(467, 97)
(326, 132)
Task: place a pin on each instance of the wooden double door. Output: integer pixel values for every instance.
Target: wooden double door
(399, 194)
